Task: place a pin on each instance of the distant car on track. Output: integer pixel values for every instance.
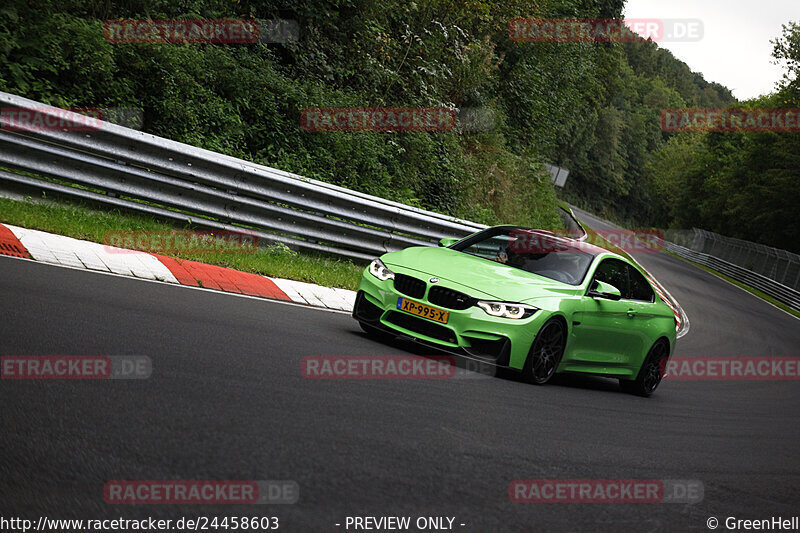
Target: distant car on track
(527, 300)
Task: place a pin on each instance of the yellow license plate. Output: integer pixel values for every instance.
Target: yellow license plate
(425, 311)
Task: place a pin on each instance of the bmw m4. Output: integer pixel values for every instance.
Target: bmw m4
(524, 299)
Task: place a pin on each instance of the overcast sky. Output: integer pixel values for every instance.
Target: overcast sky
(735, 49)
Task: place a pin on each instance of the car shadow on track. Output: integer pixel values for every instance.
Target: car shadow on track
(470, 369)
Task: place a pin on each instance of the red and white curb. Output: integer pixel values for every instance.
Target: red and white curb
(60, 250)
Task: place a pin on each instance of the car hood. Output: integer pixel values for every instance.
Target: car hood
(494, 279)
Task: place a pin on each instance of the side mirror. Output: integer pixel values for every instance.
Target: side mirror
(601, 289)
(448, 241)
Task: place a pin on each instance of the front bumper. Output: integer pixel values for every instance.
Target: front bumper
(469, 332)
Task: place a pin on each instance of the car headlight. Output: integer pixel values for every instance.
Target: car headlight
(507, 310)
(379, 270)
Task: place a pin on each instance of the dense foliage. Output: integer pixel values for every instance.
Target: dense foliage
(589, 107)
(745, 185)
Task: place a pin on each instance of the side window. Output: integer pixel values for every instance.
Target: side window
(640, 288)
(615, 272)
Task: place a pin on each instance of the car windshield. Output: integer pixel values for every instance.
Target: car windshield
(534, 251)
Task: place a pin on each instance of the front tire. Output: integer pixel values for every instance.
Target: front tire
(650, 374)
(546, 353)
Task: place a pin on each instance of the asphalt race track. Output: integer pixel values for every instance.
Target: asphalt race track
(226, 401)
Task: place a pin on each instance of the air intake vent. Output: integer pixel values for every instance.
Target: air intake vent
(449, 298)
(409, 286)
(422, 326)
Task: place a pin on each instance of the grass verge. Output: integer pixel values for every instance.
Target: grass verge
(81, 222)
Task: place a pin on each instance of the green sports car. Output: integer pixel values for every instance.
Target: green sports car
(524, 299)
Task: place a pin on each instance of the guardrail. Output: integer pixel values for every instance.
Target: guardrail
(782, 266)
(780, 292)
(121, 168)
(696, 239)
